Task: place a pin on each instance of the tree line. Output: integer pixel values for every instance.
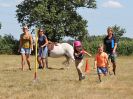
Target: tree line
(125, 45)
(9, 45)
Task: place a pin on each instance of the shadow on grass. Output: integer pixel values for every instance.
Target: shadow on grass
(51, 68)
(15, 69)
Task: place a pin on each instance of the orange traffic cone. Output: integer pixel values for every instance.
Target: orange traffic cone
(87, 67)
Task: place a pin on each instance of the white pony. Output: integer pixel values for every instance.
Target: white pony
(62, 49)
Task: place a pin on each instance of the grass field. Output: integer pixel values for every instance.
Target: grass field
(58, 83)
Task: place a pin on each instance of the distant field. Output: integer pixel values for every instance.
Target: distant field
(58, 83)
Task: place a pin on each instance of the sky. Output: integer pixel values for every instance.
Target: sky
(107, 13)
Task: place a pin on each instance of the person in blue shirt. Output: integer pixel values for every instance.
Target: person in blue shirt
(43, 50)
(110, 45)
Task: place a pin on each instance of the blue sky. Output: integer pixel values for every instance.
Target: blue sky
(108, 13)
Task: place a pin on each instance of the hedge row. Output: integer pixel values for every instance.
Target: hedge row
(125, 46)
(9, 45)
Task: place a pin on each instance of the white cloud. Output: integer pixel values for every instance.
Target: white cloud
(19, 1)
(5, 5)
(112, 4)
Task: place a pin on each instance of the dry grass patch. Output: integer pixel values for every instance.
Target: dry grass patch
(58, 83)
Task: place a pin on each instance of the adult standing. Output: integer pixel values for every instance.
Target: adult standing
(43, 50)
(26, 45)
(110, 45)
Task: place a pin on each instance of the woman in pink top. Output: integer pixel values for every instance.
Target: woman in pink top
(101, 62)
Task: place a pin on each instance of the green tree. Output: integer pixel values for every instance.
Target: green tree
(118, 31)
(58, 17)
(8, 44)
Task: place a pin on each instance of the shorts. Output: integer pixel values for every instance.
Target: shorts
(102, 70)
(25, 51)
(112, 57)
(43, 52)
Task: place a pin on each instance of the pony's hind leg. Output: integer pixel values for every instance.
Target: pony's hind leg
(67, 61)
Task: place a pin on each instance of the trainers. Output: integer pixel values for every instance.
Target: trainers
(82, 77)
(40, 67)
(29, 68)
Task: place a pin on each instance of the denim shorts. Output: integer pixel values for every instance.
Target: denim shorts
(25, 50)
(43, 52)
(102, 70)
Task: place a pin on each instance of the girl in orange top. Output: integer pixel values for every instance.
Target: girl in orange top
(101, 62)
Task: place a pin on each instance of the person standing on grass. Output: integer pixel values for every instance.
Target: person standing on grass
(25, 47)
(110, 45)
(78, 55)
(101, 62)
(43, 50)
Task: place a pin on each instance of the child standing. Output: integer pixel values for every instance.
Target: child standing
(101, 62)
(78, 55)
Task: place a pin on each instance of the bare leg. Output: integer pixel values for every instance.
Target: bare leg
(110, 68)
(43, 62)
(79, 69)
(99, 76)
(22, 60)
(78, 65)
(46, 61)
(39, 61)
(114, 68)
(28, 60)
